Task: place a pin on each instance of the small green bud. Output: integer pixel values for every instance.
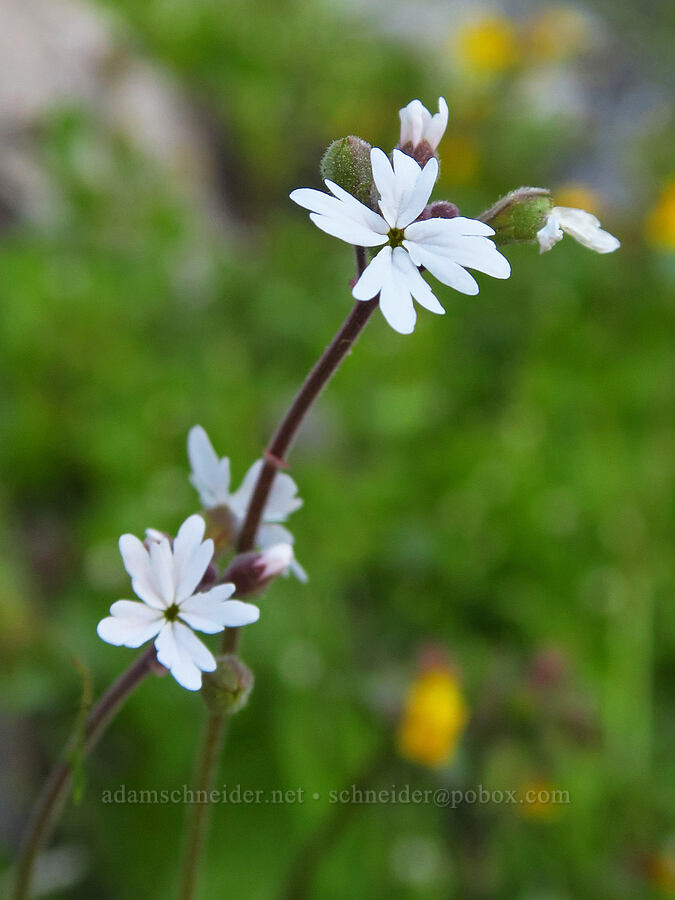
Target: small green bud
(520, 215)
(347, 163)
(228, 688)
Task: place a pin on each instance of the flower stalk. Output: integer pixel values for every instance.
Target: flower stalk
(278, 448)
(55, 792)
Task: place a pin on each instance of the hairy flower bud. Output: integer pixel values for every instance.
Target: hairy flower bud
(520, 215)
(347, 163)
(229, 687)
(441, 209)
(252, 572)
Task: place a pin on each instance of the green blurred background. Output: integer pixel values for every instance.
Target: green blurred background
(497, 486)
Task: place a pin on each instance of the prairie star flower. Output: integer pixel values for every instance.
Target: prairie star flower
(580, 225)
(443, 246)
(166, 578)
(418, 125)
(211, 477)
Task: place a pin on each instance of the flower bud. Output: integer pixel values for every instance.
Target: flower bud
(347, 163)
(252, 572)
(441, 209)
(228, 688)
(520, 215)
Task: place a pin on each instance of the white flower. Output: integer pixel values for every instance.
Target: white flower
(211, 477)
(165, 579)
(417, 124)
(443, 246)
(580, 225)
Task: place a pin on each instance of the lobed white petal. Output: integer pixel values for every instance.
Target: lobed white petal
(436, 127)
(137, 563)
(348, 231)
(585, 228)
(237, 613)
(269, 535)
(210, 475)
(413, 117)
(372, 278)
(161, 563)
(130, 624)
(184, 655)
(207, 612)
(358, 211)
(441, 267)
(342, 215)
(282, 500)
(417, 123)
(415, 283)
(419, 196)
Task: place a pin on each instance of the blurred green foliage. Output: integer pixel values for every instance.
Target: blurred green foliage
(499, 482)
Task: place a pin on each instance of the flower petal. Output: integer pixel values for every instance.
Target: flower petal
(439, 230)
(282, 500)
(342, 216)
(414, 118)
(346, 230)
(475, 253)
(207, 612)
(585, 228)
(191, 557)
(130, 624)
(420, 194)
(161, 562)
(370, 282)
(383, 176)
(237, 613)
(441, 267)
(416, 284)
(550, 234)
(178, 652)
(269, 535)
(436, 127)
(210, 475)
(360, 213)
(137, 563)
(397, 192)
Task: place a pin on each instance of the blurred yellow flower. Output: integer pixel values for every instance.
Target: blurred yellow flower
(578, 196)
(556, 33)
(660, 224)
(488, 45)
(538, 800)
(434, 717)
(660, 871)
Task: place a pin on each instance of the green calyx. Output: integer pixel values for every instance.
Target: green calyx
(228, 688)
(347, 163)
(518, 217)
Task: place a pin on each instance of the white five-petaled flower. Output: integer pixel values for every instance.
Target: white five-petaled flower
(211, 477)
(166, 578)
(417, 124)
(579, 224)
(443, 246)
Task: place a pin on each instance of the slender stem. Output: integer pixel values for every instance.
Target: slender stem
(55, 792)
(317, 379)
(201, 810)
(324, 369)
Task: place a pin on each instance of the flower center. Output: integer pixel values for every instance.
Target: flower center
(171, 612)
(395, 237)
